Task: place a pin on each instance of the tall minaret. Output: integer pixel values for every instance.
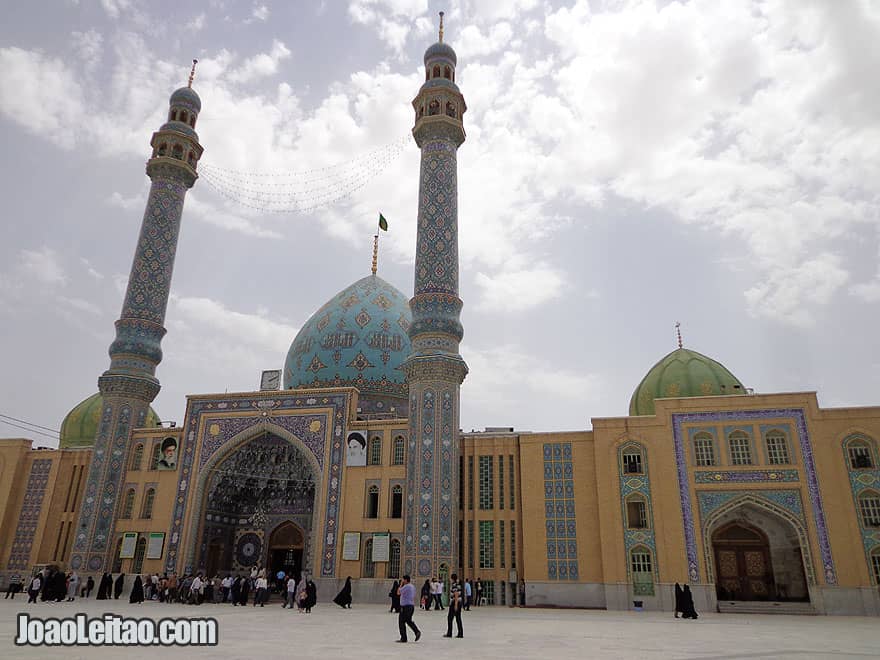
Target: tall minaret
(435, 370)
(130, 384)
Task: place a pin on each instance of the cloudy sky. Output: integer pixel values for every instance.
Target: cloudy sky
(628, 165)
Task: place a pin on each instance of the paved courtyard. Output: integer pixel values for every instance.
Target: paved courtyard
(369, 631)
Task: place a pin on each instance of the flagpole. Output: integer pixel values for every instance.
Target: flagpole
(375, 253)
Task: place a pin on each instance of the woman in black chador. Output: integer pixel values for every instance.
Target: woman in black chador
(426, 595)
(236, 590)
(311, 596)
(137, 591)
(687, 605)
(244, 590)
(343, 598)
(395, 597)
(679, 599)
(105, 587)
(118, 586)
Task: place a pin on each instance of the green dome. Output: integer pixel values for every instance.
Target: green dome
(679, 374)
(81, 424)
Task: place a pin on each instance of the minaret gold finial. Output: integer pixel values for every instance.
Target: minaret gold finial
(678, 332)
(192, 73)
(375, 253)
(441, 27)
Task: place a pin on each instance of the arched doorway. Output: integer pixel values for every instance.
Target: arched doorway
(757, 557)
(742, 559)
(286, 544)
(258, 499)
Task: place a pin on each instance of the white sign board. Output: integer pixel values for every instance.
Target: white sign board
(155, 544)
(381, 546)
(351, 546)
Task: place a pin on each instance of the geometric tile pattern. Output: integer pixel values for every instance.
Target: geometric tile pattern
(687, 514)
(744, 476)
(862, 479)
(20, 555)
(559, 512)
(637, 484)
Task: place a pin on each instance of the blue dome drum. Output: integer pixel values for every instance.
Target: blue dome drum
(358, 339)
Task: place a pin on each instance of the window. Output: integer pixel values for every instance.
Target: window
(470, 483)
(373, 502)
(501, 556)
(394, 563)
(398, 455)
(163, 149)
(375, 454)
(632, 461)
(137, 565)
(177, 151)
(636, 513)
(487, 544)
(513, 544)
(369, 569)
(461, 483)
(447, 72)
(147, 508)
(128, 504)
(397, 501)
(470, 543)
(777, 448)
(859, 455)
(511, 469)
(501, 482)
(184, 117)
(740, 448)
(488, 592)
(875, 566)
(173, 115)
(487, 499)
(642, 575)
(436, 72)
(869, 507)
(157, 454)
(704, 449)
(137, 457)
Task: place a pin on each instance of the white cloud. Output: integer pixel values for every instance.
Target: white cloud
(519, 290)
(260, 12)
(93, 273)
(197, 23)
(260, 65)
(81, 305)
(88, 46)
(43, 266)
(394, 20)
(472, 43)
(225, 219)
(115, 7)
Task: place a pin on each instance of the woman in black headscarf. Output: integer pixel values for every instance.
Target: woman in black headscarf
(679, 599)
(687, 605)
(395, 597)
(243, 591)
(103, 590)
(118, 586)
(311, 596)
(343, 598)
(426, 595)
(137, 591)
(236, 590)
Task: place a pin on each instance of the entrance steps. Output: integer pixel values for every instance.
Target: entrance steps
(763, 607)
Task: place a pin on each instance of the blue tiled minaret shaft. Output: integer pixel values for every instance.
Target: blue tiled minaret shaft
(130, 384)
(435, 370)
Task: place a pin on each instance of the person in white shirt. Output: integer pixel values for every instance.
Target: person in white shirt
(225, 586)
(262, 586)
(291, 593)
(196, 589)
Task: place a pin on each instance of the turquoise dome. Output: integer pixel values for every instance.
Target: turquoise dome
(186, 97)
(358, 339)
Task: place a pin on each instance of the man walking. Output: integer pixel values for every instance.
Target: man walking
(407, 593)
(455, 604)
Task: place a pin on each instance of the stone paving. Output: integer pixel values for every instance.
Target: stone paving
(369, 631)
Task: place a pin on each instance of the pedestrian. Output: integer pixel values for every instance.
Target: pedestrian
(343, 598)
(311, 596)
(301, 594)
(87, 587)
(479, 589)
(262, 594)
(105, 587)
(118, 586)
(468, 594)
(14, 587)
(195, 589)
(244, 591)
(437, 594)
(34, 588)
(59, 586)
(426, 596)
(522, 593)
(291, 593)
(455, 605)
(395, 598)
(407, 593)
(72, 586)
(137, 591)
(679, 599)
(687, 605)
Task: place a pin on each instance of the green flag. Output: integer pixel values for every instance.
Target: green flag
(383, 223)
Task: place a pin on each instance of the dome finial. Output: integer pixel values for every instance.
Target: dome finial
(192, 74)
(375, 253)
(441, 27)
(678, 332)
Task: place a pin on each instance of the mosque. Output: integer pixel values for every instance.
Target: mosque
(350, 460)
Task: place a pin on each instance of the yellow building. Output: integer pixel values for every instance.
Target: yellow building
(350, 461)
